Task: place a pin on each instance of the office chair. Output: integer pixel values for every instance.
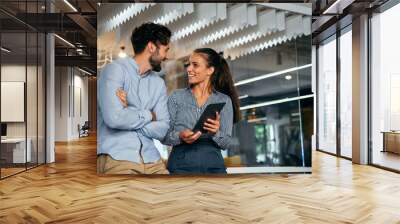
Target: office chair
(84, 130)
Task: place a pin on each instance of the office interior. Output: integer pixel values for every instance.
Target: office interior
(294, 97)
(48, 81)
(357, 113)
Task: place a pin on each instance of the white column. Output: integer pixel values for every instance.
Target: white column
(314, 91)
(360, 90)
(50, 110)
(50, 93)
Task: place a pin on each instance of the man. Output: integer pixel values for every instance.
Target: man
(126, 132)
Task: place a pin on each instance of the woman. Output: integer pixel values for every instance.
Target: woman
(210, 81)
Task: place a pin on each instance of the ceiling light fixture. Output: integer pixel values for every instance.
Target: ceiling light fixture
(70, 5)
(122, 53)
(257, 120)
(242, 97)
(268, 103)
(337, 7)
(64, 40)
(5, 50)
(86, 72)
(242, 82)
(288, 77)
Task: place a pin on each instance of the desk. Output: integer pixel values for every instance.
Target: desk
(13, 150)
(391, 142)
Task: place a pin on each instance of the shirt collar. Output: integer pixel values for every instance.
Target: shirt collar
(213, 89)
(212, 95)
(136, 67)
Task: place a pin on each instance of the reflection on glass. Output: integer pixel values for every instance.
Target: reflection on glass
(273, 88)
(346, 94)
(271, 136)
(327, 97)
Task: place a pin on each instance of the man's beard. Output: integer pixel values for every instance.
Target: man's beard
(155, 65)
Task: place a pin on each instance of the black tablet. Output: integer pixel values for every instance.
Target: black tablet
(208, 113)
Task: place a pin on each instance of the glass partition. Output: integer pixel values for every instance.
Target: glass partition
(385, 89)
(14, 151)
(346, 93)
(22, 90)
(276, 109)
(327, 96)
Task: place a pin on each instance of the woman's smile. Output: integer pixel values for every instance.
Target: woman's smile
(191, 75)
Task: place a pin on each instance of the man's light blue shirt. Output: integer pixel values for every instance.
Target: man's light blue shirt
(127, 133)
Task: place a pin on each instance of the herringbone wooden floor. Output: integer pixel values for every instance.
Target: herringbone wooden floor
(69, 191)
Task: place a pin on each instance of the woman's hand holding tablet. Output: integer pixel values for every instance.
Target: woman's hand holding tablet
(211, 112)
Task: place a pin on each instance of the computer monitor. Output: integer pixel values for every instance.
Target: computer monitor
(3, 130)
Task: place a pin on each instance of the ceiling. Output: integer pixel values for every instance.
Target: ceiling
(253, 37)
(332, 15)
(74, 22)
(236, 29)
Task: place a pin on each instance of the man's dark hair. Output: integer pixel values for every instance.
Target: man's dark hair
(149, 32)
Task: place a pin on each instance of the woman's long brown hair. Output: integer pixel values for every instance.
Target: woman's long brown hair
(222, 80)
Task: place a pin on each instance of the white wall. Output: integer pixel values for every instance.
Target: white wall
(16, 73)
(71, 93)
(33, 127)
(61, 103)
(80, 100)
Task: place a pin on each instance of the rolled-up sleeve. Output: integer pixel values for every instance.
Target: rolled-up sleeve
(172, 137)
(115, 115)
(158, 129)
(223, 137)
